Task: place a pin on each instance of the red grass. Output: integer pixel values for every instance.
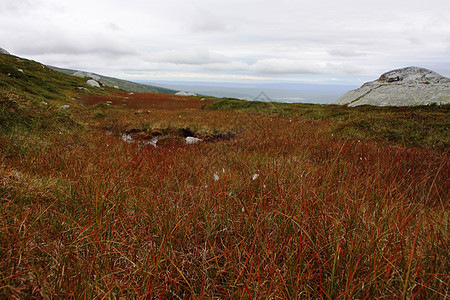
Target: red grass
(94, 217)
(145, 101)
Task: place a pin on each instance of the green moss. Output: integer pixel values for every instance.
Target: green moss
(423, 126)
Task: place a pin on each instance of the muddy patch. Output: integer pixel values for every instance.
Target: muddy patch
(161, 136)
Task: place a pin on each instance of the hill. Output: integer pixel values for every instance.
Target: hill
(33, 82)
(410, 86)
(125, 85)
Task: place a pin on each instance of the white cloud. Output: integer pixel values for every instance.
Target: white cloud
(253, 38)
(203, 20)
(345, 52)
(77, 46)
(18, 7)
(286, 66)
(112, 26)
(195, 56)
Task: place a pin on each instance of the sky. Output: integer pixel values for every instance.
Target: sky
(321, 41)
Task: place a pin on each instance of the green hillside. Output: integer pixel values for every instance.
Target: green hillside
(33, 96)
(125, 85)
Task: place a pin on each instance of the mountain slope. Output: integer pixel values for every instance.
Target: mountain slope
(125, 85)
(32, 77)
(36, 100)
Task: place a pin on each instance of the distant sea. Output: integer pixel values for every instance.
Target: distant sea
(277, 92)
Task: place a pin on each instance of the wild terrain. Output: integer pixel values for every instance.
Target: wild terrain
(101, 196)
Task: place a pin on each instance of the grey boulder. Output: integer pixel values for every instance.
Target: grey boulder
(409, 86)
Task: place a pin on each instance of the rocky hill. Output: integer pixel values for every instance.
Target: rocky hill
(3, 51)
(409, 86)
(125, 85)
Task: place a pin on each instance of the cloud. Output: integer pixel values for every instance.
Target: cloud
(206, 21)
(61, 43)
(113, 26)
(285, 66)
(345, 52)
(194, 56)
(266, 38)
(16, 7)
(344, 69)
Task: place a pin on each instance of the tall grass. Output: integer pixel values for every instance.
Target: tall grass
(327, 216)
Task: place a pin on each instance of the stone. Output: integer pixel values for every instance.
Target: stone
(86, 74)
(411, 86)
(181, 93)
(93, 83)
(192, 140)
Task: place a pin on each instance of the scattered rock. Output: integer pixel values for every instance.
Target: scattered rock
(192, 140)
(402, 87)
(93, 83)
(140, 112)
(65, 107)
(116, 87)
(139, 137)
(171, 135)
(86, 74)
(216, 177)
(181, 93)
(152, 142)
(126, 137)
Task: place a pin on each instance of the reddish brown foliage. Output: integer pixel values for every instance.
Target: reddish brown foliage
(145, 101)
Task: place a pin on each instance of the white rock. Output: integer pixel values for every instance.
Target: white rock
(86, 74)
(93, 83)
(116, 87)
(153, 141)
(65, 107)
(95, 77)
(192, 140)
(181, 93)
(127, 138)
(403, 87)
(80, 74)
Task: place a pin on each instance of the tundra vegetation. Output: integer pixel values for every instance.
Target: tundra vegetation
(275, 201)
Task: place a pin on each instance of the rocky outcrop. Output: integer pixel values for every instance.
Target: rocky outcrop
(3, 51)
(402, 87)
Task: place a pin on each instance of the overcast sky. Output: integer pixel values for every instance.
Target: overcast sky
(323, 41)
